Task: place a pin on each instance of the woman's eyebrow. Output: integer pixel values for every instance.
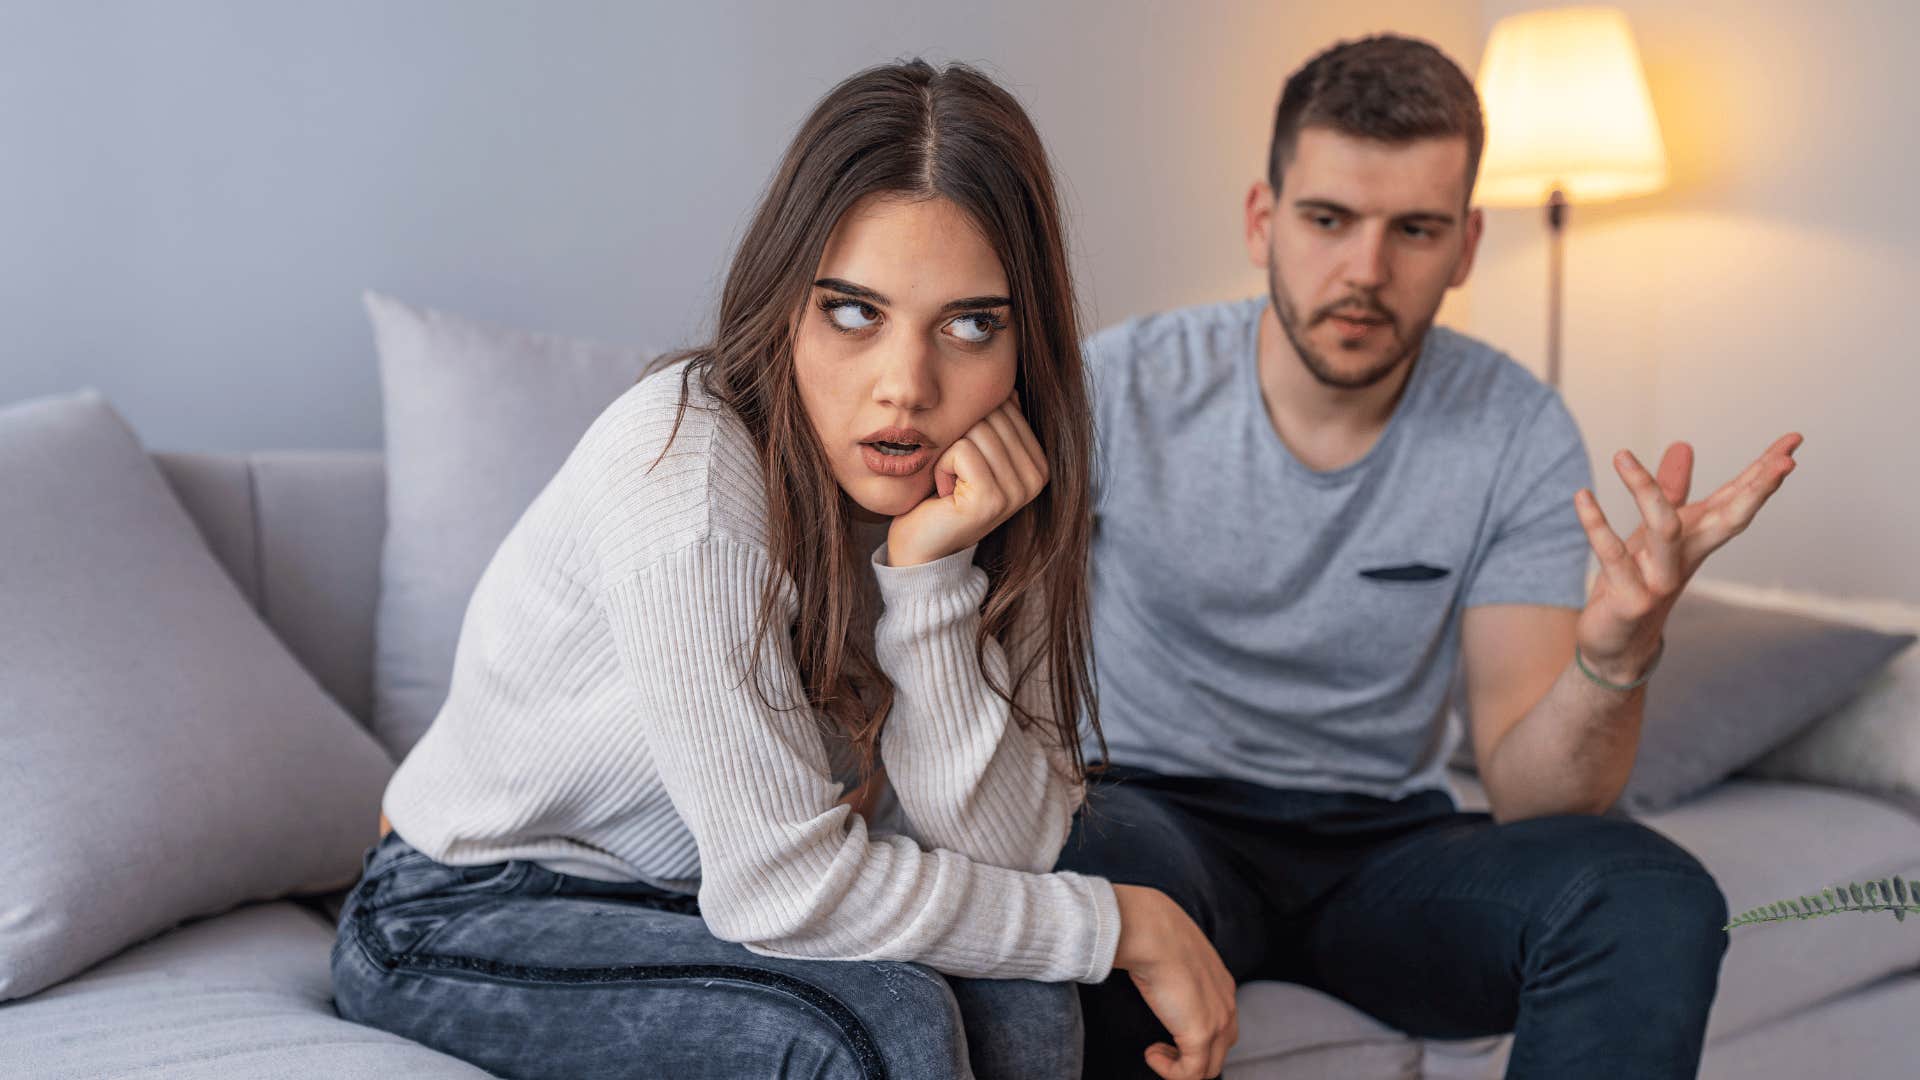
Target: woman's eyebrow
(975, 303)
(861, 292)
(858, 291)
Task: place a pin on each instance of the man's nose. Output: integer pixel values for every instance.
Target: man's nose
(1368, 264)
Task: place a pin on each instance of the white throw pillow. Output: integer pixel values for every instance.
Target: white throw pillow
(478, 419)
(162, 755)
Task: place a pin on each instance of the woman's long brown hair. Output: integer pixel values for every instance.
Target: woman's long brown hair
(912, 131)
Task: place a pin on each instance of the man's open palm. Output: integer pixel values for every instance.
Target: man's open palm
(1642, 576)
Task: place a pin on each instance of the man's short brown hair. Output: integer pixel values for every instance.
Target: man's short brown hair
(1386, 87)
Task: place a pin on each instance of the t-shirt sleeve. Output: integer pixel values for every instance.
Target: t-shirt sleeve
(1538, 550)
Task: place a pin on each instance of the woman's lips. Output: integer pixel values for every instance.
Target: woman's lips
(896, 464)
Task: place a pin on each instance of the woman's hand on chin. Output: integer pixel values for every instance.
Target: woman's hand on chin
(983, 479)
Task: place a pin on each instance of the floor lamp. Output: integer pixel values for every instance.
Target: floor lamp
(1568, 120)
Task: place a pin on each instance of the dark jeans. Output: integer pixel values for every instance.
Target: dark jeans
(1595, 940)
(530, 973)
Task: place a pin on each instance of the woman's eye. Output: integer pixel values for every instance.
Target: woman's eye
(975, 329)
(852, 314)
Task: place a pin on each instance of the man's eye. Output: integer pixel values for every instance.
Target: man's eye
(976, 329)
(1324, 220)
(1418, 231)
(851, 315)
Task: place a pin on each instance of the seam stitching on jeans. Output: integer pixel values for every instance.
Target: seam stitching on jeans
(1623, 866)
(865, 1051)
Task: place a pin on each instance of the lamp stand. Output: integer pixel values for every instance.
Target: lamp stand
(1556, 236)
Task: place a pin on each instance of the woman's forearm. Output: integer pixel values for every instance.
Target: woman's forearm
(969, 776)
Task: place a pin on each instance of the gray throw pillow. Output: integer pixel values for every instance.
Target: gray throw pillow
(1736, 682)
(162, 755)
(478, 419)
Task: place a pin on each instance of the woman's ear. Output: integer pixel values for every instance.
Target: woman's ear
(1259, 226)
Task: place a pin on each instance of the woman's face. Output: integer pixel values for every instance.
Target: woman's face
(904, 344)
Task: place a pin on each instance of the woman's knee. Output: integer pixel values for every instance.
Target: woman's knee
(707, 1021)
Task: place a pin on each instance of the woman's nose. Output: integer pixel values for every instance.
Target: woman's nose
(906, 379)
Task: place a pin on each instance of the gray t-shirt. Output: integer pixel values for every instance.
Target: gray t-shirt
(1258, 620)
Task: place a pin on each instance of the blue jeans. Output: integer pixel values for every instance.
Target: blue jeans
(526, 972)
(1595, 940)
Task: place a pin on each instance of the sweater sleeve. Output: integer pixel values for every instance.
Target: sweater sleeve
(968, 775)
(784, 870)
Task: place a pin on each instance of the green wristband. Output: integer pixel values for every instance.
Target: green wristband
(1659, 651)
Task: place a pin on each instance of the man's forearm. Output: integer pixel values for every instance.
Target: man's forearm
(1570, 754)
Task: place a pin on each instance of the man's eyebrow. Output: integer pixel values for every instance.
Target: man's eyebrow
(861, 292)
(1438, 217)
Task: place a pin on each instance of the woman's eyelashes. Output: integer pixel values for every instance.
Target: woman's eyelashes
(849, 316)
(985, 325)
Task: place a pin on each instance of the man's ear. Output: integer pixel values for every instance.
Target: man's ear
(1476, 221)
(1260, 200)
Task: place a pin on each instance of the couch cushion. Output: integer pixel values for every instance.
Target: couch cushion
(243, 995)
(299, 531)
(478, 419)
(1867, 1033)
(1292, 1031)
(322, 518)
(164, 756)
(1766, 841)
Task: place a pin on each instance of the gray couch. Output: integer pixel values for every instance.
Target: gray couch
(245, 993)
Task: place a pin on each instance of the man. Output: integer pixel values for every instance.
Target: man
(1314, 507)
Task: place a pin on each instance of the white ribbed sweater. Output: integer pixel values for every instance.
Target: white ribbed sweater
(602, 723)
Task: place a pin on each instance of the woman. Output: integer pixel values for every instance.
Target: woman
(782, 670)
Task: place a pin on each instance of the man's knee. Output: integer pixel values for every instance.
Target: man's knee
(1129, 835)
(1634, 894)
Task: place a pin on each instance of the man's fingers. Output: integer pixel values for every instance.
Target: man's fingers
(1785, 444)
(1663, 531)
(1731, 509)
(1676, 473)
(1615, 562)
(1732, 517)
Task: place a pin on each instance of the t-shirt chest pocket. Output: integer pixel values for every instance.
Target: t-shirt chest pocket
(1398, 602)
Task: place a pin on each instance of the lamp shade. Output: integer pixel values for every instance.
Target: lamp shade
(1566, 106)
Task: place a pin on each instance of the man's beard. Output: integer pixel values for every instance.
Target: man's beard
(1317, 364)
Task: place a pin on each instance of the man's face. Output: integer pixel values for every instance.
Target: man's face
(1360, 245)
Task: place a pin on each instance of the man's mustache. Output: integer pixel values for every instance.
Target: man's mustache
(1356, 307)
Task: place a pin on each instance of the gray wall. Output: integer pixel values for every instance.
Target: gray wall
(192, 195)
